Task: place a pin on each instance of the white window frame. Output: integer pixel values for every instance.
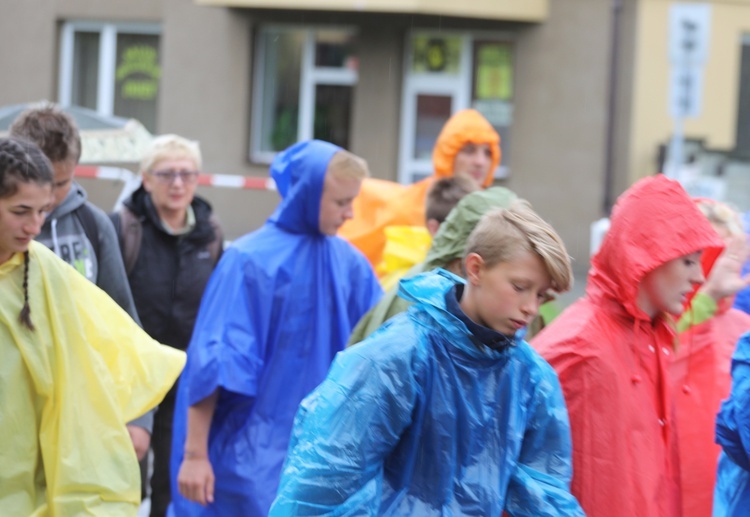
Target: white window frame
(458, 87)
(310, 77)
(105, 99)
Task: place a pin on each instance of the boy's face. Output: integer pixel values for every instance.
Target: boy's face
(506, 296)
(336, 203)
(473, 161)
(666, 288)
(63, 180)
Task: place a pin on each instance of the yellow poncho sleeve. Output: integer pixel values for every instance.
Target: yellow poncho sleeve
(67, 389)
(405, 246)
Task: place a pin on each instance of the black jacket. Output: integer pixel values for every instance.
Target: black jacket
(171, 271)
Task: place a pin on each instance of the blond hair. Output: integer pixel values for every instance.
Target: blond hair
(721, 215)
(346, 165)
(171, 147)
(503, 232)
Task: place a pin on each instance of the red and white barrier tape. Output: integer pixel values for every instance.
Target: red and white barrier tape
(206, 180)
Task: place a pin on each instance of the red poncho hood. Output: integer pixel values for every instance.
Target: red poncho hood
(652, 223)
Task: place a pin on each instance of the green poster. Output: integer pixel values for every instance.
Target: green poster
(138, 72)
(494, 72)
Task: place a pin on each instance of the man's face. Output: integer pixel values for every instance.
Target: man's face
(336, 202)
(473, 161)
(63, 180)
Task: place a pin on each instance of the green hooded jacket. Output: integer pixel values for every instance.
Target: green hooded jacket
(448, 245)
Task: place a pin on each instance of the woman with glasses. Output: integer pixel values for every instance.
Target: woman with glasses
(170, 241)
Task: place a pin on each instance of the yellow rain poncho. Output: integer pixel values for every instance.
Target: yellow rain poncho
(405, 246)
(67, 389)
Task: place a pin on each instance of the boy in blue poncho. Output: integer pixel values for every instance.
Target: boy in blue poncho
(279, 306)
(443, 410)
(732, 491)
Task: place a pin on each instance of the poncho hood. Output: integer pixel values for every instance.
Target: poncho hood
(654, 222)
(466, 126)
(299, 173)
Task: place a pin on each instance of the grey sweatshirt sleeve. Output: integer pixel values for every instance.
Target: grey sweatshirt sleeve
(111, 277)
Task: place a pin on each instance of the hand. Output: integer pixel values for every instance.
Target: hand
(141, 440)
(725, 278)
(196, 480)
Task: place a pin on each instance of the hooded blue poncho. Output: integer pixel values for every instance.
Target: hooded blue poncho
(279, 306)
(732, 491)
(418, 420)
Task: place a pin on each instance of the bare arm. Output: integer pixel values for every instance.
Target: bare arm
(196, 477)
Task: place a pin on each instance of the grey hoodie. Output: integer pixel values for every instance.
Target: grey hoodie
(64, 234)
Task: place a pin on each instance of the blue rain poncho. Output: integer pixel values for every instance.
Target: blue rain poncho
(418, 420)
(732, 492)
(279, 306)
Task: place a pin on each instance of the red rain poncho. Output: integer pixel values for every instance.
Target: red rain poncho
(383, 203)
(612, 358)
(701, 380)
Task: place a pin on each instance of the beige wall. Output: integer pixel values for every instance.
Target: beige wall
(206, 88)
(559, 127)
(624, 98)
(652, 123)
(377, 99)
(28, 47)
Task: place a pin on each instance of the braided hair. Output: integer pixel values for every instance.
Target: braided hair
(22, 162)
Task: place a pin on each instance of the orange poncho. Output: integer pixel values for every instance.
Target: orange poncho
(384, 203)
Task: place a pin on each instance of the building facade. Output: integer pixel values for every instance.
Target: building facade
(576, 88)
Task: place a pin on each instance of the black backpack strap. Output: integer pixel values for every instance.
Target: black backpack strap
(87, 219)
(129, 233)
(115, 218)
(216, 246)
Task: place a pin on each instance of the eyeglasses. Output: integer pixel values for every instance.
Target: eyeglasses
(169, 177)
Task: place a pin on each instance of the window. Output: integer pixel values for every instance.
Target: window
(113, 69)
(303, 88)
(447, 72)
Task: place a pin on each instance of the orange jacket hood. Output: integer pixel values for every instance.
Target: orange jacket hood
(654, 222)
(463, 127)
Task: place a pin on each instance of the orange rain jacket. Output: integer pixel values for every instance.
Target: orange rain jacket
(384, 203)
(701, 380)
(612, 359)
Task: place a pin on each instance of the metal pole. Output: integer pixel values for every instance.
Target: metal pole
(609, 151)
